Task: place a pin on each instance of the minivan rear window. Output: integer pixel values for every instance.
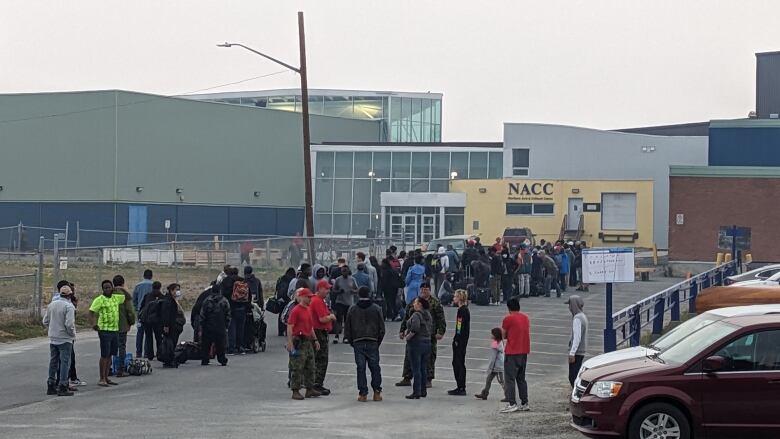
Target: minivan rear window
(691, 346)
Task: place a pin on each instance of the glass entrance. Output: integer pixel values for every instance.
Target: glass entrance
(403, 227)
(428, 231)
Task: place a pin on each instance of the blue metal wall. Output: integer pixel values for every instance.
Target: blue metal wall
(98, 221)
(754, 146)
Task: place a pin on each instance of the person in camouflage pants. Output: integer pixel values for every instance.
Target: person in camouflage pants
(302, 365)
(440, 327)
(301, 344)
(322, 319)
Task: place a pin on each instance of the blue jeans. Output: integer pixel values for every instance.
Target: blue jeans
(139, 341)
(236, 330)
(59, 361)
(367, 352)
(419, 351)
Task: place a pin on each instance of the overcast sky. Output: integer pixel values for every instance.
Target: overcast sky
(600, 64)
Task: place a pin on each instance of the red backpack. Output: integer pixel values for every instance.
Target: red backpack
(240, 291)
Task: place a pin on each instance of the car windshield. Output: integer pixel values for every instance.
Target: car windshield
(684, 330)
(692, 345)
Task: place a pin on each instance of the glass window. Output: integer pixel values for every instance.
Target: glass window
(377, 187)
(453, 225)
(400, 185)
(382, 164)
(478, 165)
(376, 221)
(440, 185)
(401, 162)
(367, 107)
(420, 164)
(419, 185)
(323, 223)
(395, 119)
(339, 106)
(440, 165)
(343, 165)
(543, 209)
(520, 158)
(519, 209)
(496, 165)
(755, 351)
(341, 224)
(460, 164)
(406, 119)
(360, 224)
(696, 342)
(454, 210)
(323, 195)
(519, 171)
(342, 196)
(436, 103)
(475, 225)
(362, 164)
(324, 164)
(437, 133)
(315, 104)
(416, 120)
(361, 196)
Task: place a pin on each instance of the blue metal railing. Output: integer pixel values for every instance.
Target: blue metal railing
(628, 323)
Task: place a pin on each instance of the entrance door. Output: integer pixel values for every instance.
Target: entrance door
(428, 228)
(136, 223)
(404, 226)
(575, 210)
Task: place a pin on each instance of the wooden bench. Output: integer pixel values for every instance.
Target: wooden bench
(644, 273)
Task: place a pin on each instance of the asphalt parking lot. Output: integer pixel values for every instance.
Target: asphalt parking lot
(249, 398)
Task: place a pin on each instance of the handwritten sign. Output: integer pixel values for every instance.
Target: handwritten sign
(605, 265)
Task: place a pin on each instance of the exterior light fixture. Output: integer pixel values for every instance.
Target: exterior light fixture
(453, 175)
(179, 190)
(1, 188)
(371, 173)
(482, 190)
(139, 188)
(575, 191)
(378, 179)
(257, 194)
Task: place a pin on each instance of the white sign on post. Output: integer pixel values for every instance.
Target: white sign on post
(167, 224)
(607, 265)
(63, 263)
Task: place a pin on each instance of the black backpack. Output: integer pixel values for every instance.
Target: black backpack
(151, 313)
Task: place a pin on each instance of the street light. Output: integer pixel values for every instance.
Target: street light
(309, 211)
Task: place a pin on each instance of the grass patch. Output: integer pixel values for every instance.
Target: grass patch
(20, 328)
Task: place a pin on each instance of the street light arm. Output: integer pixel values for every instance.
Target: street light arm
(295, 69)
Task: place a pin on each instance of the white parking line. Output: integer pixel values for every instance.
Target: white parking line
(450, 357)
(368, 374)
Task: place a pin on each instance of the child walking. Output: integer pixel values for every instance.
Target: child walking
(496, 367)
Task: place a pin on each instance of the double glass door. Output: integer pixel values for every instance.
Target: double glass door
(414, 228)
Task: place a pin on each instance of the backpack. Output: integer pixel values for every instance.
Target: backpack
(151, 312)
(287, 310)
(274, 305)
(240, 292)
(139, 366)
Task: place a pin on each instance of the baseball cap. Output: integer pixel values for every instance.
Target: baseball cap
(322, 283)
(66, 290)
(303, 292)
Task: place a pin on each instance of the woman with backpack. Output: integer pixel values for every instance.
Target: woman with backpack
(238, 295)
(171, 323)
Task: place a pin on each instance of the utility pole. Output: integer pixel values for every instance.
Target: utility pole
(309, 209)
(302, 70)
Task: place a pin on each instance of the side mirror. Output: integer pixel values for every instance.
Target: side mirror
(714, 364)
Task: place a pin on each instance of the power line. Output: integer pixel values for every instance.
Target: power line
(86, 110)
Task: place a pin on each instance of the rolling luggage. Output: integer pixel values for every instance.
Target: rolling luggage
(479, 296)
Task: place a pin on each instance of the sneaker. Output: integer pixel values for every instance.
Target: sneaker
(51, 389)
(336, 340)
(510, 408)
(296, 395)
(525, 407)
(324, 391)
(457, 392)
(63, 391)
(78, 382)
(481, 396)
(406, 382)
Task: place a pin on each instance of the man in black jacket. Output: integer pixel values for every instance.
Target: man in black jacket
(214, 323)
(365, 328)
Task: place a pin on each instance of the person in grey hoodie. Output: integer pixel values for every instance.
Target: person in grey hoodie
(342, 297)
(371, 270)
(61, 320)
(318, 273)
(418, 339)
(578, 342)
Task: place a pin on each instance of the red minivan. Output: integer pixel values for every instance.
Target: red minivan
(722, 381)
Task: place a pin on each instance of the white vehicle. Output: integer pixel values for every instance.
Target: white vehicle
(760, 273)
(676, 335)
(770, 282)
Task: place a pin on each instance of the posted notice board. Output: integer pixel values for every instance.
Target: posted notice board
(605, 265)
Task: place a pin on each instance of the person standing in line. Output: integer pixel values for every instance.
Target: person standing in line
(516, 329)
(373, 274)
(496, 367)
(255, 286)
(582, 285)
(362, 279)
(72, 375)
(418, 339)
(414, 279)
(126, 321)
(239, 298)
(391, 283)
(365, 329)
(496, 272)
(344, 289)
(550, 274)
(139, 292)
(524, 266)
(322, 319)
(214, 323)
(301, 344)
(509, 276)
(442, 267)
(578, 342)
(460, 341)
(60, 318)
(437, 333)
(171, 322)
(105, 317)
(282, 285)
(150, 318)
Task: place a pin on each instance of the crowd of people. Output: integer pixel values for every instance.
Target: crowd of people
(316, 303)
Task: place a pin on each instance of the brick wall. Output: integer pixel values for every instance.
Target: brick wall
(711, 202)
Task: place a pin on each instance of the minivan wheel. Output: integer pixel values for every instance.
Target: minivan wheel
(659, 421)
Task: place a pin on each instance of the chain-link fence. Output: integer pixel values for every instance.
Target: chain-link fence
(19, 285)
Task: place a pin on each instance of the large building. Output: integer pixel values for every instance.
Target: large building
(402, 116)
(123, 164)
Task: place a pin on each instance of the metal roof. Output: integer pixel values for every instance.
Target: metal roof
(725, 171)
(312, 92)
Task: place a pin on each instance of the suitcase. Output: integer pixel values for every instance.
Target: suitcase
(479, 296)
(186, 350)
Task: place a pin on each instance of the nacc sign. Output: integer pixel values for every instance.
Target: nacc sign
(530, 191)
